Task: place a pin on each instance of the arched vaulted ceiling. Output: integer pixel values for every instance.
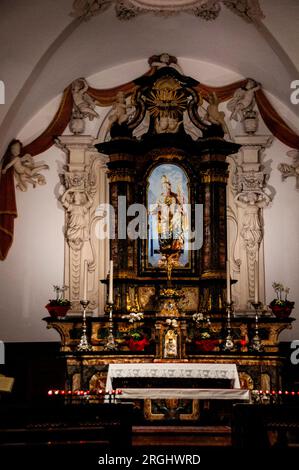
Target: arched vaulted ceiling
(43, 48)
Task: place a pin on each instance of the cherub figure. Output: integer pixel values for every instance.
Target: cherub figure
(213, 115)
(291, 170)
(167, 123)
(26, 170)
(121, 111)
(83, 104)
(243, 100)
(164, 60)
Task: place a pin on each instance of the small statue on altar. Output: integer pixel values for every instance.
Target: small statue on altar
(170, 344)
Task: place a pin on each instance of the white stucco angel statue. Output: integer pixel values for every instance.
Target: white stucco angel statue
(291, 170)
(83, 104)
(243, 100)
(121, 110)
(26, 170)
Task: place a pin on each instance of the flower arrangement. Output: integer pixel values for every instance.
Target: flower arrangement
(135, 337)
(60, 300)
(203, 326)
(59, 307)
(134, 316)
(281, 306)
(203, 335)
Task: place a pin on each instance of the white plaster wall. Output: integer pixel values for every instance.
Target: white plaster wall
(35, 261)
(281, 240)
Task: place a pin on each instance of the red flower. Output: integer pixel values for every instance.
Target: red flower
(206, 344)
(138, 345)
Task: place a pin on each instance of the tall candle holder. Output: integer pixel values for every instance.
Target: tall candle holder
(228, 344)
(256, 343)
(110, 344)
(84, 345)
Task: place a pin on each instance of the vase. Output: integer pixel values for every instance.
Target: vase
(282, 311)
(137, 345)
(57, 311)
(206, 344)
(250, 122)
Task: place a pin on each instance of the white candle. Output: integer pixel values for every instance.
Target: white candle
(110, 297)
(85, 281)
(228, 291)
(256, 283)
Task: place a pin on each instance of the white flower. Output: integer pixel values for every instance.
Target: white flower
(133, 316)
(197, 317)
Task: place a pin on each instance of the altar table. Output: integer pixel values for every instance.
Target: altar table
(173, 370)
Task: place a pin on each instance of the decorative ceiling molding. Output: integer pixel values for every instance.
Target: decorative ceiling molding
(249, 10)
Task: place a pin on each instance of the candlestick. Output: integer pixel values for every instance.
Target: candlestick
(110, 344)
(256, 283)
(228, 287)
(85, 281)
(84, 345)
(228, 344)
(256, 343)
(110, 297)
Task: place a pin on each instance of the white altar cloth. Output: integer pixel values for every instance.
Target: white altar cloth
(173, 370)
(185, 393)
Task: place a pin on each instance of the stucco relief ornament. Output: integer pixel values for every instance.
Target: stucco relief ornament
(77, 204)
(26, 170)
(248, 10)
(164, 60)
(288, 170)
(83, 106)
(252, 230)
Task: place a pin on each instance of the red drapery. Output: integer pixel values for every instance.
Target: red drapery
(8, 209)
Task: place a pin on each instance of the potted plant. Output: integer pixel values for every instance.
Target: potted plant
(281, 306)
(204, 337)
(60, 306)
(135, 337)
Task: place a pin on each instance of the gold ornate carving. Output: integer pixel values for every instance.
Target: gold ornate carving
(246, 381)
(213, 275)
(189, 300)
(120, 176)
(169, 156)
(98, 381)
(166, 96)
(171, 407)
(146, 296)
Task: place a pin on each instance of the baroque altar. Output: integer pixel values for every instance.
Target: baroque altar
(176, 203)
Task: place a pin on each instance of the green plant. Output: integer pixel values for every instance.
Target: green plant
(281, 292)
(203, 329)
(60, 300)
(134, 332)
